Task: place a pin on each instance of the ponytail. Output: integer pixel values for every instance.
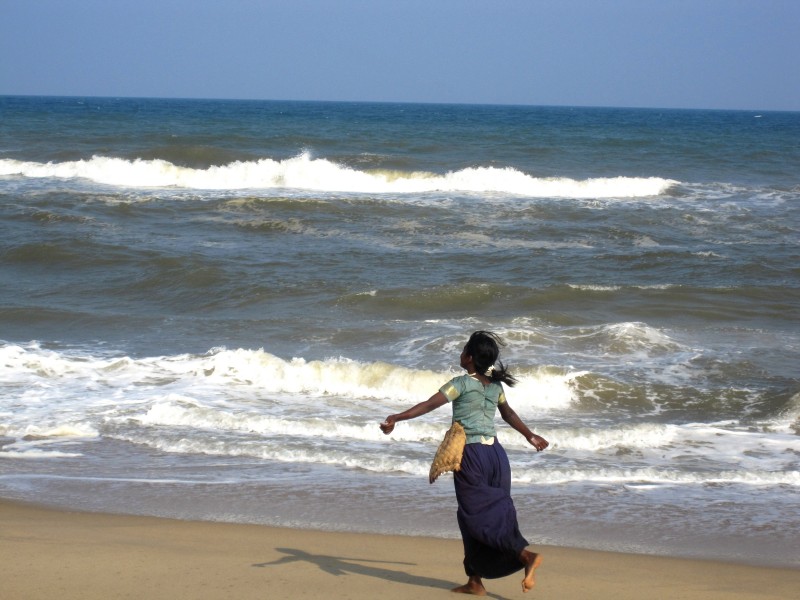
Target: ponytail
(483, 347)
(500, 374)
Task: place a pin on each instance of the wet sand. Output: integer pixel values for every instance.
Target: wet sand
(48, 554)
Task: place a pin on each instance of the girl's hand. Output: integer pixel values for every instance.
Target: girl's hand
(423, 408)
(538, 442)
(388, 425)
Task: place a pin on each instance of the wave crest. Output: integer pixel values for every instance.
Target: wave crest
(317, 174)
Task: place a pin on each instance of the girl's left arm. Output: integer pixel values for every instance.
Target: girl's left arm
(512, 418)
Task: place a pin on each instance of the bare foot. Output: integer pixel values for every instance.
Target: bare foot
(474, 586)
(531, 560)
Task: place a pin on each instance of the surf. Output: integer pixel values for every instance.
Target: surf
(304, 172)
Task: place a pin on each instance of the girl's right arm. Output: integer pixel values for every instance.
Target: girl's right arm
(432, 403)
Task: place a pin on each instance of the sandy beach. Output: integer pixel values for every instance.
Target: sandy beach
(58, 554)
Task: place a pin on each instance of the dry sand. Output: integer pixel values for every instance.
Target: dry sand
(54, 554)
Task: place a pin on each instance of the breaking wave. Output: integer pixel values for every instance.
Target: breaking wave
(317, 174)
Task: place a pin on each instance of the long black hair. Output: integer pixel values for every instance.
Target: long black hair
(484, 348)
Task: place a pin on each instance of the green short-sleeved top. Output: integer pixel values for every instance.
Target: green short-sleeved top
(474, 406)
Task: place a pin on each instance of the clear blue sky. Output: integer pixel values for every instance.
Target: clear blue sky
(644, 53)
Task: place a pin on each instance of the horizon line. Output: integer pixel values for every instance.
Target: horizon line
(406, 102)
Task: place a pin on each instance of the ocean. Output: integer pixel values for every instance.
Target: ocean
(207, 308)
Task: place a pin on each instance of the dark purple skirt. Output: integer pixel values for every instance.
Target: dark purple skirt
(486, 514)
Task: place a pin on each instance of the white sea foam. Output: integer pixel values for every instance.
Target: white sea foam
(35, 453)
(639, 335)
(253, 404)
(656, 476)
(178, 412)
(614, 288)
(307, 173)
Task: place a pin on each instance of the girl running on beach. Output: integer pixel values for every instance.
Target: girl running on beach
(493, 544)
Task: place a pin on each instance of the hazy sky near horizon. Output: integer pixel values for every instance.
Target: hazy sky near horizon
(728, 54)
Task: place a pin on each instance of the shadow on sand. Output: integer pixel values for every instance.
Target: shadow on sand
(337, 565)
